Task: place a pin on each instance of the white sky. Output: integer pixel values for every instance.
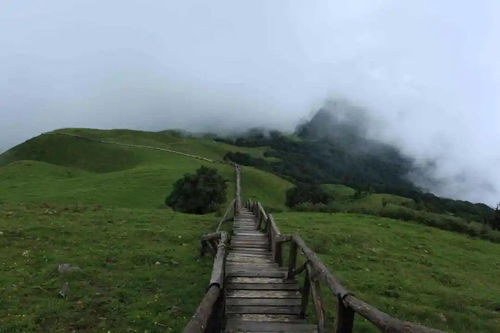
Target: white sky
(429, 71)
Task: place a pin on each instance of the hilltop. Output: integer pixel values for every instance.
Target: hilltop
(59, 168)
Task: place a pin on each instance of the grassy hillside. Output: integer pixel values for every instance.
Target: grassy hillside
(205, 147)
(438, 278)
(139, 268)
(344, 199)
(69, 200)
(65, 170)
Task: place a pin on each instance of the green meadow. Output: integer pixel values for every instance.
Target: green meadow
(100, 207)
(414, 272)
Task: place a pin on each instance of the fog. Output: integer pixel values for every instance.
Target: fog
(427, 72)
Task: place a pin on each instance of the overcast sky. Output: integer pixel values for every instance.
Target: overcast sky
(428, 71)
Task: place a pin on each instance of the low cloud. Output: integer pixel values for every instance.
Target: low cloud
(427, 72)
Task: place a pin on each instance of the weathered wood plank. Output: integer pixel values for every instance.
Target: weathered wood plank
(254, 272)
(247, 233)
(249, 249)
(248, 260)
(291, 310)
(263, 286)
(233, 254)
(290, 318)
(262, 245)
(264, 301)
(263, 294)
(238, 325)
(257, 280)
(249, 237)
(235, 245)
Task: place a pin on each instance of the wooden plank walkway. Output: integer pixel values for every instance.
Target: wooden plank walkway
(258, 297)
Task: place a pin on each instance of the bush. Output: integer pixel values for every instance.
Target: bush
(200, 193)
(306, 193)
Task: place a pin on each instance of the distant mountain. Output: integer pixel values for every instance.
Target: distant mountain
(333, 147)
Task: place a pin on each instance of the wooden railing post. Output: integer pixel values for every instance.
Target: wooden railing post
(292, 259)
(306, 289)
(345, 317)
(208, 315)
(268, 230)
(216, 320)
(318, 303)
(277, 256)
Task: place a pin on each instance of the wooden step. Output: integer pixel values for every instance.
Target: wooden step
(259, 309)
(263, 301)
(234, 254)
(262, 286)
(257, 236)
(258, 297)
(236, 325)
(252, 267)
(247, 233)
(257, 280)
(254, 260)
(250, 250)
(262, 294)
(288, 318)
(262, 245)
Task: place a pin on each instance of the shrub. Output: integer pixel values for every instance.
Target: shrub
(306, 193)
(200, 193)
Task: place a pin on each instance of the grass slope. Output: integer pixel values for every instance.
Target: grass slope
(139, 268)
(69, 200)
(438, 278)
(112, 175)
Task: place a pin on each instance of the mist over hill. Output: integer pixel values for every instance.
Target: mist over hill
(339, 145)
(334, 146)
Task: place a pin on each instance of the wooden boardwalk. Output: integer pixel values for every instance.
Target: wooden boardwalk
(250, 290)
(258, 297)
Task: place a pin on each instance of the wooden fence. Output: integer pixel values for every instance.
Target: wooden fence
(209, 317)
(316, 274)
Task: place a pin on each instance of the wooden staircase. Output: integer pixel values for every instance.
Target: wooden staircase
(258, 296)
(251, 291)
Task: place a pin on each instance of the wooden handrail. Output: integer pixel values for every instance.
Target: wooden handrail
(319, 268)
(201, 318)
(225, 217)
(208, 315)
(237, 193)
(199, 321)
(347, 304)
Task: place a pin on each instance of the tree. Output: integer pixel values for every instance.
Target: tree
(495, 219)
(200, 193)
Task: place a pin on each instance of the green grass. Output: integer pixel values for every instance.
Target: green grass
(139, 268)
(379, 200)
(422, 274)
(198, 146)
(65, 170)
(338, 191)
(100, 206)
(258, 184)
(345, 200)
